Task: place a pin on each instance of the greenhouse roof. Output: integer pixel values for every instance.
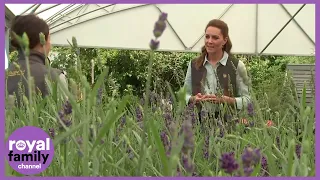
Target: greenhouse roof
(277, 29)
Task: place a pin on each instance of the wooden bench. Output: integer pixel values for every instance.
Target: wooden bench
(303, 74)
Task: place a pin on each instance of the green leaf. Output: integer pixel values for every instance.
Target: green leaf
(113, 117)
(160, 148)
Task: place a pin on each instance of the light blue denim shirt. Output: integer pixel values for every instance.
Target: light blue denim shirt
(243, 97)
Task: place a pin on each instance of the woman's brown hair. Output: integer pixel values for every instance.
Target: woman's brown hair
(224, 31)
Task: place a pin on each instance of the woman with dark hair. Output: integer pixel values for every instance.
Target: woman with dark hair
(32, 26)
(216, 72)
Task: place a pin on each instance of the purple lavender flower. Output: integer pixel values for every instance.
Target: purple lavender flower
(203, 114)
(168, 118)
(237, 121)
(228, 117)
(250, 109)
(153, 97)
(163, 17)
(99, 95)
(206, 148)
(67, 108)
(220, 128)
(247, 171)
(154, 44)
(118, 130)
(123, 121)
(80, 154)
(172, 128)
(264, 166)
(190, 113)
(165, 142)
(79, 140)
(193, 118)
(142, 101)
(178, 171)
(130, 153)
(247, 157)
(228, 163)
(250, 157)
(278, 141)
(159, 28)
(221, 134)
(188, 136)
(116, 138)
(256, 156)
(194, 174)
(170, 100)
(160, 25)
(139, 114)
(298, 150)
(251, 124)
(187, 164)
(65, 121)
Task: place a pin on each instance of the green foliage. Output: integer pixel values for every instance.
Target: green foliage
(129, 68)
(13, 56)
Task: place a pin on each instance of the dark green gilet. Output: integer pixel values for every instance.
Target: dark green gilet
(16, 76)
(227, 77)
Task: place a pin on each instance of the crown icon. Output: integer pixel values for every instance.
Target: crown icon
(20, 145)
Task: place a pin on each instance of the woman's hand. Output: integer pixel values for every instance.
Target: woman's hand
(218, 100)
(197, 98)
(213, 98)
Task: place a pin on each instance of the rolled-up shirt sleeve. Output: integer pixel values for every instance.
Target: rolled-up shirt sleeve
(187, 84)
(63, 79)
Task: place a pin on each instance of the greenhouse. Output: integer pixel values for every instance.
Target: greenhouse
(127, 112)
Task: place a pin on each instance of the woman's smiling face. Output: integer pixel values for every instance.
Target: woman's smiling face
(214, 40)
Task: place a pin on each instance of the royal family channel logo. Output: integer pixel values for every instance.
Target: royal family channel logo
(29, 150)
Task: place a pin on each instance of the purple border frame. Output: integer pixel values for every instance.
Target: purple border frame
(2, 81)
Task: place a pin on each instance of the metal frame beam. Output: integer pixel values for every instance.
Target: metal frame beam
(59, 13)
(282, 29)
(304, 32)
(94, 17)
(48, 8)
(62, 15)
(103, 9)
(81, 16)
(28, 9)
(84, 8)
(34, 9)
